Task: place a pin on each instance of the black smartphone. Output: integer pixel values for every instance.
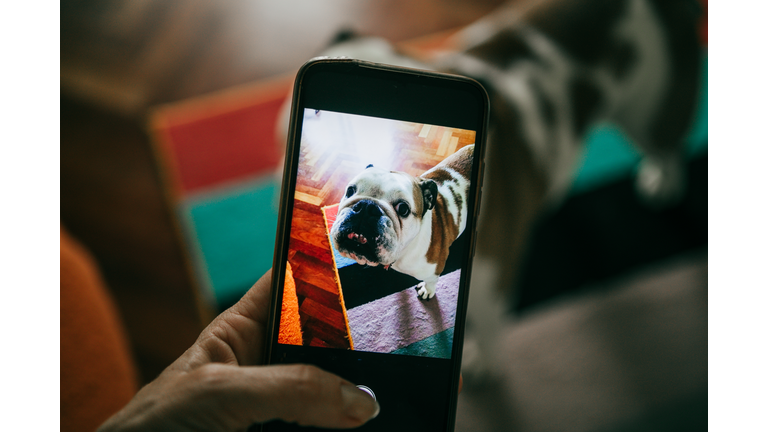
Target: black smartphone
(376, 234)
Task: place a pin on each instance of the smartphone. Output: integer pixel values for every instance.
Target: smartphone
(376, 234)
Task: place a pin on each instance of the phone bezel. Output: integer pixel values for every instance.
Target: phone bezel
(355, 83)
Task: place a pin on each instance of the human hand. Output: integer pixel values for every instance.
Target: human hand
(217, 384)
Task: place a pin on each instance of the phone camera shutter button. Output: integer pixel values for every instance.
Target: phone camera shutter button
(367, 390)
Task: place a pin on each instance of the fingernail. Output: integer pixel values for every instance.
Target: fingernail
(358, 404)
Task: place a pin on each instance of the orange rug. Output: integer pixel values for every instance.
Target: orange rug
(290, 322)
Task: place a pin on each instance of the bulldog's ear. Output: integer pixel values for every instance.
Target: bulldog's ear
(369, 166)
(429, 192)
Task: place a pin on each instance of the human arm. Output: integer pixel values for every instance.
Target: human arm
(218, 384)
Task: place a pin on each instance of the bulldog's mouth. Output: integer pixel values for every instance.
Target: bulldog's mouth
(362, 259)
(359, 247)
(359, 233)
(357, 238)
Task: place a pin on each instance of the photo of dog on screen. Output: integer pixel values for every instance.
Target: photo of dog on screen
(376, 235)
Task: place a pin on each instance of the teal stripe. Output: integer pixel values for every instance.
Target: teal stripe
(438, 345)
(608, 155)
(235, 234)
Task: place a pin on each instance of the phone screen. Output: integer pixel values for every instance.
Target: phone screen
(378, 237)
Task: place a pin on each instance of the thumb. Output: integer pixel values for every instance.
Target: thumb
(301, 394)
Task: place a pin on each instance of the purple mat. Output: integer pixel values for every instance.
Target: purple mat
(400, 319)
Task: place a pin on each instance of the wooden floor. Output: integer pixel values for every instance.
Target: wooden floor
(323, 320)
(324, 172)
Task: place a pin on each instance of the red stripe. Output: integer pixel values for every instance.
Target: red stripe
(226, 147)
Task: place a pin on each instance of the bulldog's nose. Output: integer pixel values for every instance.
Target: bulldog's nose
(367, 208)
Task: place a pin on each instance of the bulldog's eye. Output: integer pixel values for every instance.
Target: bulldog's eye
(351, 191)
(402, 209)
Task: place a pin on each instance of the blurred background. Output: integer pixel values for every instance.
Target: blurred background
(610, 330)
(119, 59)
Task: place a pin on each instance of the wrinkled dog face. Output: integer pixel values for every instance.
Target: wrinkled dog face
(379, 215)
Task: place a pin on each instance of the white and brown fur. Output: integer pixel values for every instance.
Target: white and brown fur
(371, 230)
(552, 69)
(449, 216)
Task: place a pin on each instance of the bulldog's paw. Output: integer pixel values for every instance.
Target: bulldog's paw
(423, 291)
(661, 182)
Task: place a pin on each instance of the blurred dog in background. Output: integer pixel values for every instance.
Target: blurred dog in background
(553, 68)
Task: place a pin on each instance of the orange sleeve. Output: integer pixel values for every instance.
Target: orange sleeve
(98, 376)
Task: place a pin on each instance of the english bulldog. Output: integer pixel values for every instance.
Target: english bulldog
(408, 223)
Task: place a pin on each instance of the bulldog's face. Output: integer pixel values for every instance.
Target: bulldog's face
(380, 214)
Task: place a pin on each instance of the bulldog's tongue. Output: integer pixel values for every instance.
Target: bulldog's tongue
(357, 237)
